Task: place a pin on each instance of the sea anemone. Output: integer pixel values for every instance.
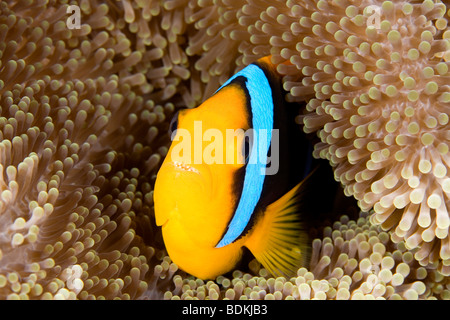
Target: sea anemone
(83, 120)
(75, 173)
(375, 75)
(354, 260)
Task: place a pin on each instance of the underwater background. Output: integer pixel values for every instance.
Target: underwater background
(84, 114)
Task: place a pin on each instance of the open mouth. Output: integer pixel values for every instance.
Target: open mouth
(184, 167)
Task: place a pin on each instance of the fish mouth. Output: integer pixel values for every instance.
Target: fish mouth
(184, 167)
(165, 223)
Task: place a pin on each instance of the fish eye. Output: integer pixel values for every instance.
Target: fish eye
(173, 124)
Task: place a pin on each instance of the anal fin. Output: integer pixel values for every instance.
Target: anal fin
(279, 239)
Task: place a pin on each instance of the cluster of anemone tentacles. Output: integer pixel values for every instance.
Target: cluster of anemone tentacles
(83, 120)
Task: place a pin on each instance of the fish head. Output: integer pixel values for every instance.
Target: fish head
(195, 190)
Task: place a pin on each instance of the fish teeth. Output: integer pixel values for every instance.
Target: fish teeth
(185, 167)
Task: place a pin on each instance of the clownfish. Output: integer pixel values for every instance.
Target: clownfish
(210, 211)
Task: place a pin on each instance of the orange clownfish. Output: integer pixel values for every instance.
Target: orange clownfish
(214, 196)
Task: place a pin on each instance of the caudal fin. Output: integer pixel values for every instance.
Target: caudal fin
(280, 237)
